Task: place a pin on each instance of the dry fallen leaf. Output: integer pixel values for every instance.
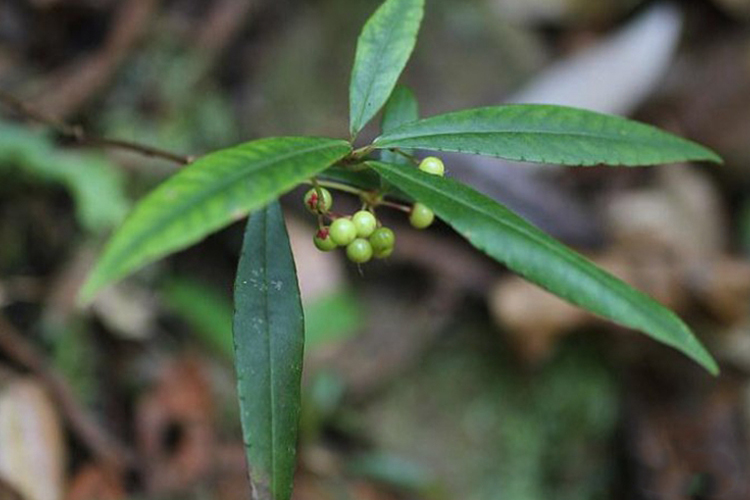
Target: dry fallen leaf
(685, 443)
(175, 427)
(667, 240)
(95, 483)
(127, 310)
(32, 448)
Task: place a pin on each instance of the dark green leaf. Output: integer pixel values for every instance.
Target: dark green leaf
(401, 108)
(546, 134)
(269, 343)
(384, 46)
(541, 259)
(363, 179)
(207, 195)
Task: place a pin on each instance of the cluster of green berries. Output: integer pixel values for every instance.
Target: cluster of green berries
(359, 233)
(362, 234)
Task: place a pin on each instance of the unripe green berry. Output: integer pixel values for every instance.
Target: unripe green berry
(314, 203)
(343, 231)
(382, 239)
(421, 216)
(432, 165)
(365, 223)
(382, 254)
(323, 240)
(359, 251)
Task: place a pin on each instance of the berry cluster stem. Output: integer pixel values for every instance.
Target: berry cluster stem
(371, 199)
(397, 206)
(338, 186)
(406, 155)
(361, 153)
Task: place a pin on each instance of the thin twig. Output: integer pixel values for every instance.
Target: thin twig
(397, 206)
(338, 186)
(406, 155)
(104, 446)
(76, 132)
(29, 112)
(136, 148)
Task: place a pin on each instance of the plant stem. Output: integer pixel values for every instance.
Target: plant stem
(76, 132)
(410, 157)
(395, 205)
(371, 198)
(360, 153)
(337, 186)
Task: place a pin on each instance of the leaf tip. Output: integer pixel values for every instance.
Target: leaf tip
(713, 157)
(709, 363)
(703, 153)
(695, 351)
(97, 280)
(87, 292)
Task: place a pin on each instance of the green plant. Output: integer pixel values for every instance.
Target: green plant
(421, 216)
(382, 241)
(94, 183)
(226, 185)
(318, 203)
(432, 165)
(359, 251)
(323, 240)
(365, 222)
(343, 231)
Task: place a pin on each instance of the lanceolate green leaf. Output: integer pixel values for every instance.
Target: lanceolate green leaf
(384, 46)
(546, 134)
(401, 108)
(268, 342)
(539, 258)
(207, 195)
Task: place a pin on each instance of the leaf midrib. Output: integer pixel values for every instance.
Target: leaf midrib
(269, 353)
(371, 82)
(628, 139)
(536, 238)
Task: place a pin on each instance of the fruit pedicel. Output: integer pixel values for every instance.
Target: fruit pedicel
(362, 234)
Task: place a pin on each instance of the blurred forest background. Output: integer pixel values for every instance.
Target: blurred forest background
(433, 375)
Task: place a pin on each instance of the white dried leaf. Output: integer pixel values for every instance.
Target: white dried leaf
(32, 448)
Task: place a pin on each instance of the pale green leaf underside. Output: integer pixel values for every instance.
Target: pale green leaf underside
(207, 195)
(546, 134)
(268, 330)
(383, 48)
(541, 259)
